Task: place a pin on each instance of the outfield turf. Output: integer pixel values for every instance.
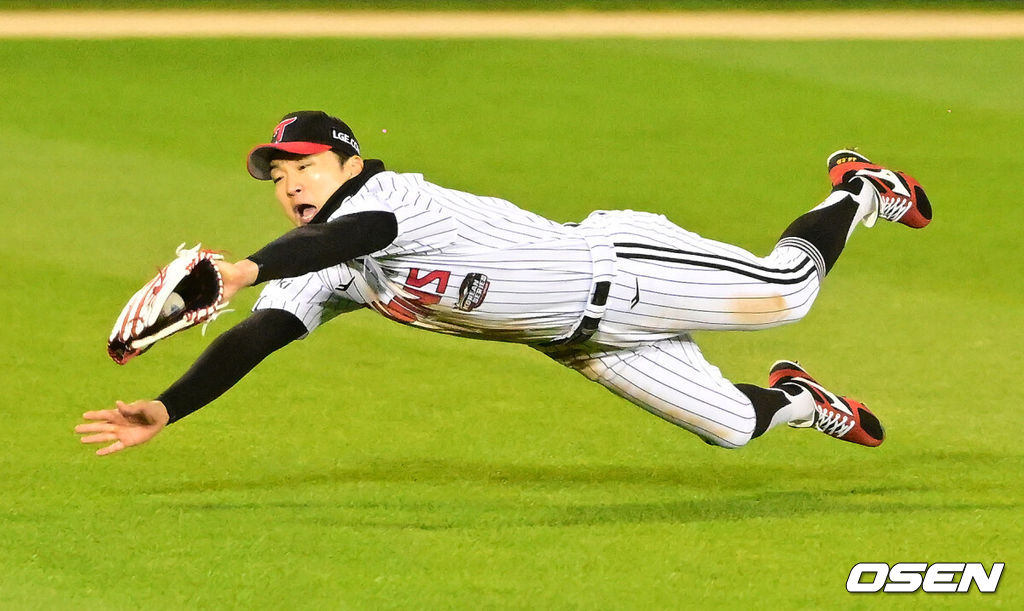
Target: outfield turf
(376, 466)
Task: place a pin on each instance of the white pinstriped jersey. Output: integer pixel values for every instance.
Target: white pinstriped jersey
(461, 264)
(481, 267)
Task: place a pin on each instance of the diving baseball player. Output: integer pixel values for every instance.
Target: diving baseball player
(614, 296)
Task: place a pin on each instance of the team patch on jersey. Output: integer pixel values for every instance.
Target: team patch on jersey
(472, 292)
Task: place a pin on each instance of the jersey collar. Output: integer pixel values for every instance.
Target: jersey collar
(371, 167)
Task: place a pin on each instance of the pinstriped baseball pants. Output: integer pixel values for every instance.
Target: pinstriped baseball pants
(669, 282)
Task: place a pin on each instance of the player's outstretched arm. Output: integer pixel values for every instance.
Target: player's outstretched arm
(129, 424)
(314, 247)
(226, 361)
(310, 248)
(237, 276)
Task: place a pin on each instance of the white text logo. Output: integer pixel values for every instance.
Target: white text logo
(914, 576)
(345, 138)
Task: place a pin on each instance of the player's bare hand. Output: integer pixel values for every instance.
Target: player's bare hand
(129, 424)
(237, 276)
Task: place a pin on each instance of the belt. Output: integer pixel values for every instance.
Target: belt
(588, 325)
(602, 253)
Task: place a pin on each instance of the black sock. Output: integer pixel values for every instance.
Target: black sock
(826, 229)
(766, 403)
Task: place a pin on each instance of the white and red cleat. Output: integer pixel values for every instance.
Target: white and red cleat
(840, 417)
(901, 198)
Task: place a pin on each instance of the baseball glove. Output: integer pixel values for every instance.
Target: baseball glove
(188, 292)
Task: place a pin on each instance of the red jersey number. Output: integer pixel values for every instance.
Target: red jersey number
(415, 281)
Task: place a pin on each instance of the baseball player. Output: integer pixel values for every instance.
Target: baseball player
(614, 296)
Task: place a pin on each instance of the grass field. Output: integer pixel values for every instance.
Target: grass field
(374, 466)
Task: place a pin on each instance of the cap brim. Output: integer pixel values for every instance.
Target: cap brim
(259, 157)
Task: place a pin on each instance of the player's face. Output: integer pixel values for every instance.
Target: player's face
(304, 185)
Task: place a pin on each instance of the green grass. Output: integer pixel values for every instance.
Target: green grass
(373, 465)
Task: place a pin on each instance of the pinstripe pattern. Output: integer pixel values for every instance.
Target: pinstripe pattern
(665, 282)
(688, 283)
(642, 350)
(540, 273)
(672, 380)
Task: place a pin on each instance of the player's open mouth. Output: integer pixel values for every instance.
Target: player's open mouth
(305, 212)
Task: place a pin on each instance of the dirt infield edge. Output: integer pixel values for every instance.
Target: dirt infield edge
(377, 24)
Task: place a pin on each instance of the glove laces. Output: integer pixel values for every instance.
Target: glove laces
(213, 317)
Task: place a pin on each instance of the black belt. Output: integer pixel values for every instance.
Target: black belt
(588, 326)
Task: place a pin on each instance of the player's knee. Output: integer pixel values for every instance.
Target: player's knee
(796, 307)
(730, 440)
(802, 308)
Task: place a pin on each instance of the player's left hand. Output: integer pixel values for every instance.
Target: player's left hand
(128, 425)
(188, 291)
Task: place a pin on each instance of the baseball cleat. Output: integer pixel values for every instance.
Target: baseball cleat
(901, 198)
(840, 417)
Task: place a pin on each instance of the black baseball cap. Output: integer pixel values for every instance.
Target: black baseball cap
(305, 132)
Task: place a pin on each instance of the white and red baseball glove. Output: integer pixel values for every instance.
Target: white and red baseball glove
(188, 292)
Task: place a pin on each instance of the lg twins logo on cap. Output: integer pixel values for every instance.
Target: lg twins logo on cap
(349, 140)
(279, 130)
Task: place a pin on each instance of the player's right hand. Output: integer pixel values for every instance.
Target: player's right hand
(130, 424)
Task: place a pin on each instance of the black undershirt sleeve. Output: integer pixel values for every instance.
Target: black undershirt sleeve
(232, 355)
(318, 246)
(300, 251)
